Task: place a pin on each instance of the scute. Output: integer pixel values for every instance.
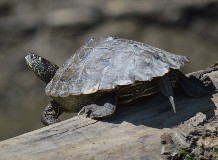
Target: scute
(103, 64)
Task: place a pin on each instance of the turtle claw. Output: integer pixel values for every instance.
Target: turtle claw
(95, 111)
(84, 112)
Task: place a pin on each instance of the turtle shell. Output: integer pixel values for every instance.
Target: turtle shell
(104, 64)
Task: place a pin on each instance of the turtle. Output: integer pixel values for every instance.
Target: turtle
(107, 71)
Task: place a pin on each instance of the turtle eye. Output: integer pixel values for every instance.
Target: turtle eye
(33, 56)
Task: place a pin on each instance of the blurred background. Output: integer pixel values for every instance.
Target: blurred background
(56, 29)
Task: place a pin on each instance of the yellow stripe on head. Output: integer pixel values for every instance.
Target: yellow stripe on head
(40, 58)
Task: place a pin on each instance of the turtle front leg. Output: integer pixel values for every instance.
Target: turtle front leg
(105, 107)
(166, 89)
(51, 113)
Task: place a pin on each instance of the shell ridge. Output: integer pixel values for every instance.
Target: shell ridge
(73, 86)
(134, 66)
(52, 89)
(93, 85)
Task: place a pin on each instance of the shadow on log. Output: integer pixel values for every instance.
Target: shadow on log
(132, 133)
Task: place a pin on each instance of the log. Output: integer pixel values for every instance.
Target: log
(132, 133)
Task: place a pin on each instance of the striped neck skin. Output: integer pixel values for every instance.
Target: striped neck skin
(42, 68)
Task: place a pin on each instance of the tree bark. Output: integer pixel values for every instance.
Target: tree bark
(132, 133)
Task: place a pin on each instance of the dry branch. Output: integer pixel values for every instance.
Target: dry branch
(132, 133)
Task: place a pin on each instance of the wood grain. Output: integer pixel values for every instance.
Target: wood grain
(132, 133)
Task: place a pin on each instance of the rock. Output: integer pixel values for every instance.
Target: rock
(196, 136)
(196, 120)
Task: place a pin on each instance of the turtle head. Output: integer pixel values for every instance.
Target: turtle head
(43, 68)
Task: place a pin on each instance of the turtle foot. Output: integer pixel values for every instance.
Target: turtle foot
(48, 120)
(51, 113)
(207, 82)
(96, 111)
(196, 86)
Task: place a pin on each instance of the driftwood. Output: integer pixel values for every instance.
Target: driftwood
(132, 133)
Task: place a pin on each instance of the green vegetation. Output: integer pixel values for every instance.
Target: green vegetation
(185, 155)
